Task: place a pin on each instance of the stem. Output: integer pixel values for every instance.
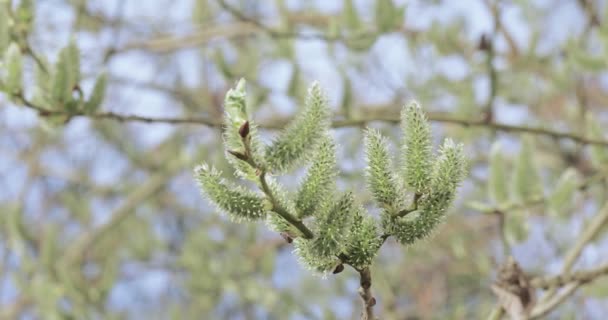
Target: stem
(276, 207)
(366, 295)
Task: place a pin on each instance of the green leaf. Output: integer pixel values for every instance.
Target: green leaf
(363, 240)
(5, 32)
(319, 182)
(599, 154)
(240, 204)
(526, 181)
(331, 227)
(97, 95)
(42, 89)
(66, 76)
(72, 53)
(560, 201)
(302, 135)
(24, 15)
(498, 190)
(380, 178)
(416, 148)
(14, 69)
(61, 89)
(347, 97)
(202, 13)
(294, 82)
(350, 16)
(387, 15)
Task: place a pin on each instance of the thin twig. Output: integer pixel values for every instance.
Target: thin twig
(561, 280)
(283, 34)
(275, 125)
(277, 208)
(544, 308)
(592, 229)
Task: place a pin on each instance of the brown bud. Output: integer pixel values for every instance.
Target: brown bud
(287, 237)
(372, 302)
(238, 155)
(484, 43)
(339, 268)
(244, 129)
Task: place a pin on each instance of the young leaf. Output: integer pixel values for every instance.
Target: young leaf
(235, 116)
(350, 16)
(239, 203)
(380, 178)
(416, 148)
(319, 181)
(61, 90)
(14, 69)
(560, 200)
(302, 135)
(97, 95)
(72, 53)
(498, 191)
(526, 182)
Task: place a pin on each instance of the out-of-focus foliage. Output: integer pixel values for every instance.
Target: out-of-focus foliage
(100, 216)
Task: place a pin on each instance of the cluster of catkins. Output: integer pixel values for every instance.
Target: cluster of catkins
(328, 227)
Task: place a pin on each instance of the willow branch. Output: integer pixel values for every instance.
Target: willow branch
(565, 279)
(543, 309)
(592, 229)
(277, 208)
(365, 292)
(276, 125)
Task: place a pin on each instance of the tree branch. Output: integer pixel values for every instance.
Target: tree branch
(592, 229)
(276, 125)
(543, 309)
(276, 207)
(565, 279)
(365, 292)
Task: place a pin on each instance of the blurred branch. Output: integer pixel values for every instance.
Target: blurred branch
(197, 38)
(544, 308)
(246, 26)
(436, 117)
(593, 228)
(566, 279)
(131, 202)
